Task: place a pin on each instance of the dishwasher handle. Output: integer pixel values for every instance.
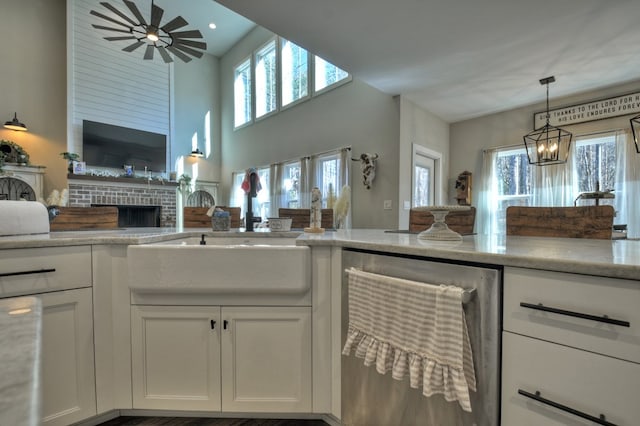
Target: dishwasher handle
(34, 271)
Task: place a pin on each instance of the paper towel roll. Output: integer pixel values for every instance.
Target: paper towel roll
(23, 217)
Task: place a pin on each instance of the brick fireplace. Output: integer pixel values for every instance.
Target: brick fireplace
(127, 194)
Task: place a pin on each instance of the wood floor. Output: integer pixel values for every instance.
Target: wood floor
(191, 421)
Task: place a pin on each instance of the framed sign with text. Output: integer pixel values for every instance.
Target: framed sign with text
(590, 111)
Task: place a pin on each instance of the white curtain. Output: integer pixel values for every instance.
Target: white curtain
(306, 182)
(627, 188)
(553, 185)
(486, 218)
(276, 189)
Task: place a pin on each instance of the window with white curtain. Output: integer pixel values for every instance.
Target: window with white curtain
(327, 180)
(266, 69)
(295, 72)
(291, 185)
(242, 93)
(327, 75)
(597, 162)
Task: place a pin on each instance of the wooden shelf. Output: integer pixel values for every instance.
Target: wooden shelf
(136, 180)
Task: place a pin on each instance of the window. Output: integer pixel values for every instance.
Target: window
(595, 162)
(291, 185)
(327, 168)
(514, 182)
(295, 72)
(327, 74)
(282, 73)
(260, 204)
(266, 94)
(242, 93)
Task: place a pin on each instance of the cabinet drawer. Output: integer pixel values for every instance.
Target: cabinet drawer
(41, 270)
(574, 294)
(589, 383)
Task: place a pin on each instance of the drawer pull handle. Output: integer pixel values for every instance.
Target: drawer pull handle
(541, 307)
(536, 396)
(35, 271)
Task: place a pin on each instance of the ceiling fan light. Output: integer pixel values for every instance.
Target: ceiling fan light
(157, 35)
(15, 124)
(152, 34)
(635, 129)
(197, 153)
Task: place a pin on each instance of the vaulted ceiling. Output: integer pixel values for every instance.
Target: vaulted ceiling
(461, 59)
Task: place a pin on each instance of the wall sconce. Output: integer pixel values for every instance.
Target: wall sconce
(196, 153)
(548, 144)
(15, 124)
(635, 128)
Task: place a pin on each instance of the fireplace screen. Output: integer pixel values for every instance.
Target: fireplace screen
(16, 189)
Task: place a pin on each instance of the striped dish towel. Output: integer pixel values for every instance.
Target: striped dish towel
(412, 328)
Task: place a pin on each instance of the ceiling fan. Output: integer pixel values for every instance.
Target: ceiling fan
(164, 38)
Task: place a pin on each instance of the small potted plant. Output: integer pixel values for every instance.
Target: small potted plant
(70, 157)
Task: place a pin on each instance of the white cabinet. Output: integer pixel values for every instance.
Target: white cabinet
(176, 357)
(266, 359)
(574, 340)
(265, 354)
(68, 380)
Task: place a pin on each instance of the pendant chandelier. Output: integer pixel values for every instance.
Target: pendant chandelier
(548, 144)
(635, 128)
(155, 36)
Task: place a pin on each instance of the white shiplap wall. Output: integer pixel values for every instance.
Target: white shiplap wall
(112, 86)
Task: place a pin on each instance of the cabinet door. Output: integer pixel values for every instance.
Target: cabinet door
(68, 377)
(176, 357)
(266, 359)
(590, 383)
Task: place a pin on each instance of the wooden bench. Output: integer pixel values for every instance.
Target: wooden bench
(196, 217)
(461, 221)
(567, 222)
(84, 218)
(301, 218)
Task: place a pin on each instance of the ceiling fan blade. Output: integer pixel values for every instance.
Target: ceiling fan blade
(118, 30)
(179, 54)
(148, 54)
(120, 38)
(187, 34)
(174, 24)
(165, 56)
(108, 18)
(136, 12)
(188, 50)
(192, 43)
(120, 14)
(156, 15)
(133, 46)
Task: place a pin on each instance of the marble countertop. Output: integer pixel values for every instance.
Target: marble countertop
(611, 258)
(20, 328)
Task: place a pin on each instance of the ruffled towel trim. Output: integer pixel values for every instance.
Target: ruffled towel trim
(434, 377)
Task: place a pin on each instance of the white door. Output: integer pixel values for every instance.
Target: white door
(68, 375)
(266, 359)
(425, 177)
(176, 357)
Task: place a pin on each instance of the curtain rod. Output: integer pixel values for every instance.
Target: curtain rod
(348, 148)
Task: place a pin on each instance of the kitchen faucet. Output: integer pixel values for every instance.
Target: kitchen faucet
(253, 192)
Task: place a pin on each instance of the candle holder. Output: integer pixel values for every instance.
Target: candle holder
(439, 229)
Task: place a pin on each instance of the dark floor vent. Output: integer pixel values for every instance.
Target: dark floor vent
(137, 216)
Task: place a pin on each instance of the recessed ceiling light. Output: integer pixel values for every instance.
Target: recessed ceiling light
(212, 26)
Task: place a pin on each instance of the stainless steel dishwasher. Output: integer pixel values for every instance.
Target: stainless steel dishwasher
(371, 399)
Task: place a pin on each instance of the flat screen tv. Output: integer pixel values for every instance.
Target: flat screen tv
(106, 145)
